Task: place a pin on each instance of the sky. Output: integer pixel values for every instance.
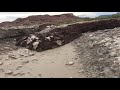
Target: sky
(11, 16)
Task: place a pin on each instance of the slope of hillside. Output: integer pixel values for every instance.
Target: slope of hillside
(33, 21)
(99, 53)
(117, 16)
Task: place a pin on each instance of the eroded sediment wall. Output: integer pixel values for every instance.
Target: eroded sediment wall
(64, 35)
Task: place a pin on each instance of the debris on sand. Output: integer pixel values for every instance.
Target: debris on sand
(8, 72)
(6, 48)
(40, 75)
(7, 58)
(16, 73)
(31, 54)
(24, 62)
(0, 58)
(19, 66)
(70, 63)
(12, 56)
(59, 42)
(1, 63)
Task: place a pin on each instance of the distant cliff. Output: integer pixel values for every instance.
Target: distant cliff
(32, 24)
(34, 21)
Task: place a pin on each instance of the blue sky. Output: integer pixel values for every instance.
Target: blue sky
(10, 16)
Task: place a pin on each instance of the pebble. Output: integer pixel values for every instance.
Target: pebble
(6, 48)
(81, 71)
(20, 65)
(16, 73)
(22, 74)
(70, 63)
(21, 54)
(8, 72)
(25, 55)
(113, 54)
(76, 58)
(52, 62)
(31, 54)
(100, 59)
(78, 43)
(59, 42)
(1, 63)
(24, 62)
(91, 35)
(39, 75)
(6, 58)
(91, 45)
(28, 72)
(35, 60)
(12, 56)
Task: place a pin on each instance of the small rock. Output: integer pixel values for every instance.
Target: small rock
(110, 47)
(91, 35)
(20, 65)
(25, 55)
(76, 58)
(7, 45)
(24, 62)
(113, 54)
(39, 75)
(70, 63)
(22, 74)
(10, 49)
(31, 54)
(91, 45)
(1, 63)
(21, 54)
(6, 58)
(35, 60)
(100, 59)
(81, 71)
(16, 73)
(59, 42)
(78, 43)
(12, 56)
(52, 62)
(1, 70)
(28, 72)
(8, 72)
(6, 48)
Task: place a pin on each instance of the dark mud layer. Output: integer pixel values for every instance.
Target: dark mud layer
(71, 32)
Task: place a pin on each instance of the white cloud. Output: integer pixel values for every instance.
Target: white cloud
(10, 16)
